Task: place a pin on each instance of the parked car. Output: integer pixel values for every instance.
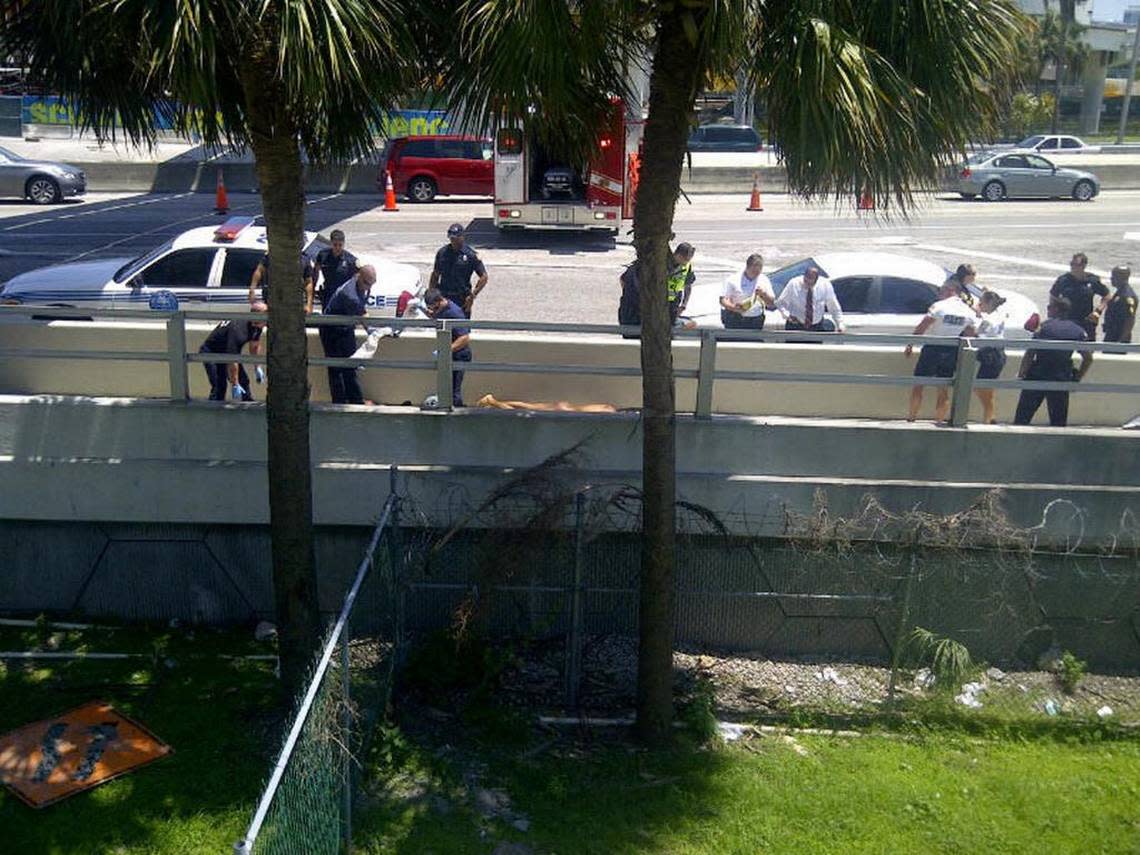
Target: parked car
(724, 138)
(205, 268)
(1056, 144)
(44, 182)
(1004, 175)
(424, 167)
(880, 292)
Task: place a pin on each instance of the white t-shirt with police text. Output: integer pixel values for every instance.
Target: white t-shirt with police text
(951, 317)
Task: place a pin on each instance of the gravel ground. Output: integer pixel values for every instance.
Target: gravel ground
(750, 685)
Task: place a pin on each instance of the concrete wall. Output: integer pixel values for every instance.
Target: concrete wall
(389, 386)
(148, 510)
(122, 460)
(188, 175)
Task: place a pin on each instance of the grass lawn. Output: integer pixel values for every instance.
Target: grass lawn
(940, 793)
(216, 713)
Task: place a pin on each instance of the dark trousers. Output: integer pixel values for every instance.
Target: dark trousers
(1030, 400)
(826, 325)
(218, 378)
(344, 386)
(457, 383)
(737, 321)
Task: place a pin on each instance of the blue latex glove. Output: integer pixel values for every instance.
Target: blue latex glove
(435, 354)
(259, 374)
(238, 392)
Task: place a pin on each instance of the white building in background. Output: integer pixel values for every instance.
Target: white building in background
(1108, 44)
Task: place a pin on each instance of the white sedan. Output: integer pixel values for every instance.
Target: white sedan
(1056, 144)
(880, 292)
(205, 268)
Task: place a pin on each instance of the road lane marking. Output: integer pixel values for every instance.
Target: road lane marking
(996, 256)
(88, 212)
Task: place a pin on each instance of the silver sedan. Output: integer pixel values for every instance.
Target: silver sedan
(1004, 175)
(43, 181)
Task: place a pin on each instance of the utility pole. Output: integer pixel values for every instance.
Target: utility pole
(1128, 87)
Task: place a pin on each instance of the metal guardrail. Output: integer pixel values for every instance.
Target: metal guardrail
(963, 383)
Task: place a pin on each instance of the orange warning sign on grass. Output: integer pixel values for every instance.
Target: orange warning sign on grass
(55, 758)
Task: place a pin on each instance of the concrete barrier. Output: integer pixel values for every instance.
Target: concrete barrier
(395, 386)
(194, 176)
(159, 462)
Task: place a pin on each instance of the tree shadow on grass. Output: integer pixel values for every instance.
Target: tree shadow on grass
(216, 714)
(457, 786)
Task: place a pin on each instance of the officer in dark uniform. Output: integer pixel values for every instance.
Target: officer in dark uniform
(1055, 366)
(339, 342)
(454, 265)
(1078, 287)
(261, 278)
(439, 306)
(1120, 312)
(230, 337)
(336, 265)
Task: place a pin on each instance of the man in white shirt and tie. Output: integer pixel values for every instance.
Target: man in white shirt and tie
(806, 300)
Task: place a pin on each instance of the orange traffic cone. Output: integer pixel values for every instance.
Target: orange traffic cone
(866, 201)
(221, 200)
(389, 194)
(754, 204)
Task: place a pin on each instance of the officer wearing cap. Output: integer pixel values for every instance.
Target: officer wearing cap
(229, 337)
(454, 265)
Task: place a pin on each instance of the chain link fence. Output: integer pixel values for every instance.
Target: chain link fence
(306, 807)
(851, 616)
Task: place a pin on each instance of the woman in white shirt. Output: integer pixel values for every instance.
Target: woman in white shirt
(991, 357)
(745, 295)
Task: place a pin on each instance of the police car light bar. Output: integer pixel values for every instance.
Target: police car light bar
(231, 228)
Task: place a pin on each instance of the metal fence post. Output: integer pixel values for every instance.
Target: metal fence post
(176, 356)
(443, 365)
(706, 375)
(574, 635)
(346, 723)
(961, 391)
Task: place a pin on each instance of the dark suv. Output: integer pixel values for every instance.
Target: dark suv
(429, 166)
(724, 138)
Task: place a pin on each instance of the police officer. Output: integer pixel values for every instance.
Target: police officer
(1055, 366)
(261, 278)
(339, 341)
(454, 265)
(336, 265)
(1078, 286)
(230, 337)
(679, 278)
(1120, 311)
(439, 306)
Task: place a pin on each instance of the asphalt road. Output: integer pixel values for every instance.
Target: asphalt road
(1021, 246)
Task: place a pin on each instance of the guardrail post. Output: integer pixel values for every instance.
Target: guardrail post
(443, 369)
(176, 356)
(962, 389)
(706, 375)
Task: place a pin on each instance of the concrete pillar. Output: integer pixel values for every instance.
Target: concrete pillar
(1092, 81)
(743, 101)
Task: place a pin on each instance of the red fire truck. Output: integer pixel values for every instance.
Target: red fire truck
(540, 188)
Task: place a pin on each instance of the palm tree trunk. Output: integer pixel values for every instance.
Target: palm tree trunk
(280, 175)
(672, 90)
(1059, 67)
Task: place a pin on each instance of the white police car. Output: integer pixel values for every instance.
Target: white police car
(205, 268)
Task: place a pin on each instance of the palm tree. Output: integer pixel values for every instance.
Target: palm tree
(870, 94)
(272, 75)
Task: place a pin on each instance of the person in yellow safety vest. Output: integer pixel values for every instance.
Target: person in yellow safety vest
(679, 279)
